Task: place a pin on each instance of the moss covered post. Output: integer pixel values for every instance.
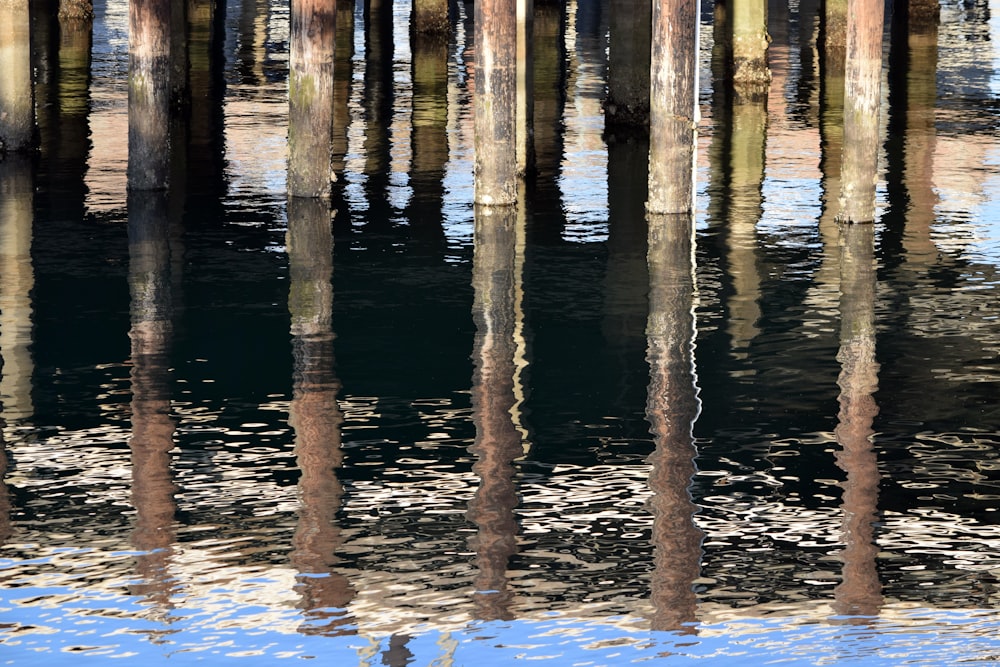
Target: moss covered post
(148, 94)
(495, 99)
(310, 97)
(673, 104)
(17, 102)
(750, 40)
(862, 97)
(430, 17)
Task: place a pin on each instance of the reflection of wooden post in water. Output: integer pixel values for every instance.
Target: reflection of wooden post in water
(672, 408)
(498, 441)
(673, 106)
(630, 36)
(17, 277)
(429, 136)
(310, 97)
(859, 593)
(148, 94)
(746, 161)
(17, 101)
(152, 426)
(862, 98)
(315, 416)
(495, 100)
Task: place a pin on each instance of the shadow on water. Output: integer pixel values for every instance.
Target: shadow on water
(564, 431)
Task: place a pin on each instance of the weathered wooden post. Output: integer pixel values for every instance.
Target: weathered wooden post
(430, 17)
(525, 93)
(833, 33)
(630, 35)
(673, 112)
(343, 73)
(315, 415)
(17, 101)
(672, 407)
(148, 94)
(17, 277)
(859, 593)
(862, 98)
(498, 442)
(549, 104)
(310, 97)
(495, 102)
(152, 425)
(749, 41)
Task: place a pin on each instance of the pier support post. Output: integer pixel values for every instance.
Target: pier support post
(673, 106)
(630, 36)
(750, 40)
(17, 102)
(149, 94)
(430, 17)
(862, 97)
(310, 97)
(496, 83)
(525, 94)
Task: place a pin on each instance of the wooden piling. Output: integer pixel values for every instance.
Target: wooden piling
(630, 35)
(525, 94)
(310, 97)
(673, 106)
(17, 102)
(149, 94)
(862, 98)
(750, 40)
(495, 102)
(430, 17)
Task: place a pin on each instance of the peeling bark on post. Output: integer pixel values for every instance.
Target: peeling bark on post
(430, 17)
(496, 82)
(862, 96)
(310, 97)
(148, 94)
(17, 102)
(750, 40)
(673, 106)
(629, 64)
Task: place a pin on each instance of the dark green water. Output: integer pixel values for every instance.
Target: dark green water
(237, 431)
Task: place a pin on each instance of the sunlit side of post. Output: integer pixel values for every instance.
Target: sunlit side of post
(494, 102)
(17, 119)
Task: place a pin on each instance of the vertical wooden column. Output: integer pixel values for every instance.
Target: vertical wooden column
(834, 31)
(672, 407)
(859, 593)
(495, 102)
(862, 97)
(310, 97)
(148, 94)
(673, 106)
(430, 17)
(629, 64)
(343, 73)
(525, 94)
(750, 40)
(17, 102)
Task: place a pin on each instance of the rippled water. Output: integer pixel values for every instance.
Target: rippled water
(231, 433)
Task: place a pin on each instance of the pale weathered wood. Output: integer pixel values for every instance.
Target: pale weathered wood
(495, 97)
(310, 97)
(148, 94)
(862, 98)
(673, 106)
(17, 102)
